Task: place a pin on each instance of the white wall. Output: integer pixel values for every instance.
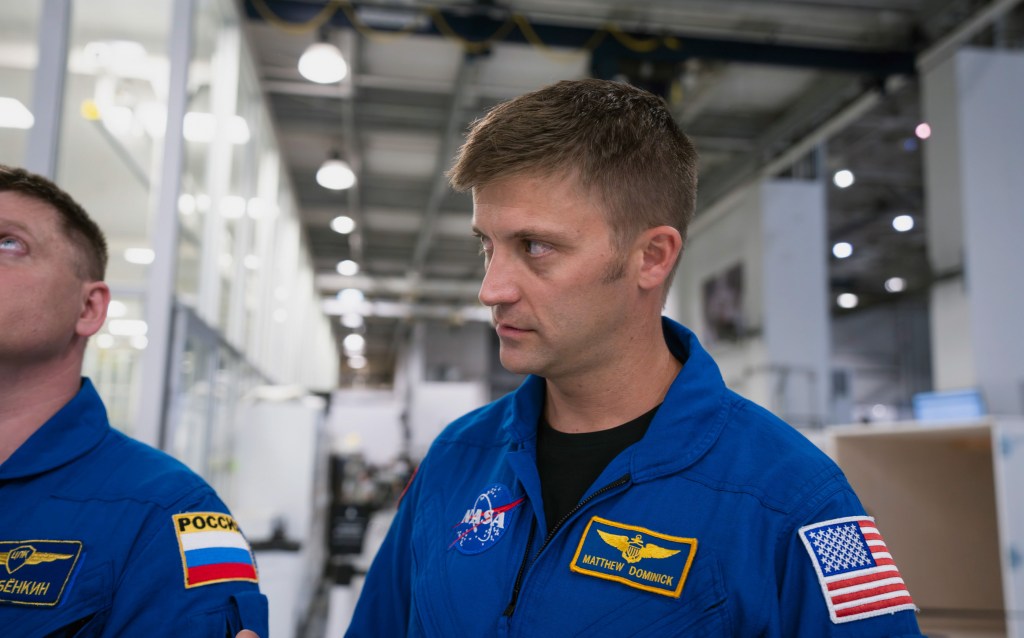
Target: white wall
(776, 230)
(974, 167)
(796, 297)
(456, 352)
(367, 422)
(436, 404)
(733, 238)
(282, 476)
(992, 129)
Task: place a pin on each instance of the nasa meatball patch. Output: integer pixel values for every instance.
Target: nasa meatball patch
(486, 520)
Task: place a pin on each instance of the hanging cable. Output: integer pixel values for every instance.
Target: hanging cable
(531, 36)
(471, 46)
(297, 28)
(375, 34)
(436, 16)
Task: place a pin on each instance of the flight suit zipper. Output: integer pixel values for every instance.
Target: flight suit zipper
(551, 534)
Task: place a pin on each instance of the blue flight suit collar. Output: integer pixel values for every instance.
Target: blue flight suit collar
(75, 429)
(676, 438)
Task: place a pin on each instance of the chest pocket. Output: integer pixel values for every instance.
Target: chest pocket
(700, 611)
(453, 590)
(83, 611)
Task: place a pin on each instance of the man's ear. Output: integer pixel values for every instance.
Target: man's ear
(95, 298)
(660, 246)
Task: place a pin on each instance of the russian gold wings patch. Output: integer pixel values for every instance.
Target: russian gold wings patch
(35, 558)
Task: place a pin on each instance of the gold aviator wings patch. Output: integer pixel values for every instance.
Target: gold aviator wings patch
(635, 550)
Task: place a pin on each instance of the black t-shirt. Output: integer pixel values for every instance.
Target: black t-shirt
(570, 463)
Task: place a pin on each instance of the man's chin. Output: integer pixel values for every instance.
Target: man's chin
(516, 364)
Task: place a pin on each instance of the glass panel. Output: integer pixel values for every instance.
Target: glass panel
(194, 203)
(19, 27)
(111, 147)
(112, 357)
(194, 402)
(211, 380)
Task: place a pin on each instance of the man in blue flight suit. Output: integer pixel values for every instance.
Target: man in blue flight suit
(622, 490)
(100, 535)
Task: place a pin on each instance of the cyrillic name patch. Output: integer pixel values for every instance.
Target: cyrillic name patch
(857, 574)
(36, 572)
(634, 556)
(212, 548)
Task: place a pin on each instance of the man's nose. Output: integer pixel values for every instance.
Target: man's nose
(498, 286)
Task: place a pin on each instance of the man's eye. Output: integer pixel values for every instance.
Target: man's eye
(536, 248)
(485, 245)
(11, 243)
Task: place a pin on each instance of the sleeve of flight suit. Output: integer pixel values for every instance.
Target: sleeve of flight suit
(385, 604)
(838, 578)
(191, 573)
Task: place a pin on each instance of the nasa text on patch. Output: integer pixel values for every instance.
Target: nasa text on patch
(36, 572)
(213, 549)
(634, 556)
(485, 521)
(857, 574)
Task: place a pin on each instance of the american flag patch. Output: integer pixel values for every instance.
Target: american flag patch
(855, 570)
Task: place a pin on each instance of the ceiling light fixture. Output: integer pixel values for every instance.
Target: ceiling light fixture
(902, 223)
(847, 300)
(347, 267)
(842, 249)
(335, 174)
(116, 309)
(923, 131)
(202, 128)
(343, 224)
(322, 62)
(352, 320)
(141, 256)
(843, 178)
(895, 284)
(14, 114)
(354, 344)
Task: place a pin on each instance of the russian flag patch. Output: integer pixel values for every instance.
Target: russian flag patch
(213, 549)
(855, 569)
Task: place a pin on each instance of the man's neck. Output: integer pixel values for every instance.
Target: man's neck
(619, 392)
(30, 395)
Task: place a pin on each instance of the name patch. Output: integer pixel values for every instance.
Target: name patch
(486, 521)
(634, 556)
(213, 549)
(36, 572)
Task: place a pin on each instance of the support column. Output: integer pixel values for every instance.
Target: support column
(753, 285)
(795, 297)
(973, 173)
(48, 88)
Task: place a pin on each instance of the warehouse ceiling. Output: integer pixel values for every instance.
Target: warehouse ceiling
(795, 87)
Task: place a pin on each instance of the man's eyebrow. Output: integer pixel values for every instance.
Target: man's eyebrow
(544, 233)
(530, 232)
(11, 223)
